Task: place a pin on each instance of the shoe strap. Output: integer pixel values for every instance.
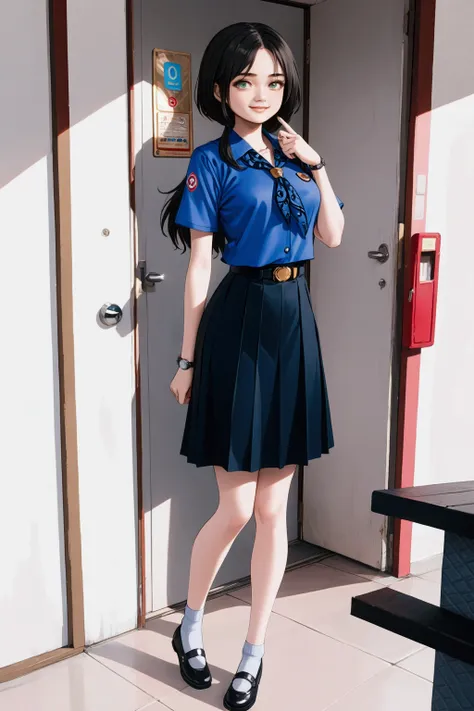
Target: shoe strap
(198, 652)
(245, 675)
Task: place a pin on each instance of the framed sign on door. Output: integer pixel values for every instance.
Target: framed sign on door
(172, 104)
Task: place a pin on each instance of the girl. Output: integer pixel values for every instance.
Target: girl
(250, 365)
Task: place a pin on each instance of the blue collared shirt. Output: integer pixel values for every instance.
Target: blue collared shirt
(241, 204)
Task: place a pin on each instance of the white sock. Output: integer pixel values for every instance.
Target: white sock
(251, 657)
(191, 635)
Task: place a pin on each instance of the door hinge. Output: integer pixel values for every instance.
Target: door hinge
(406, 23)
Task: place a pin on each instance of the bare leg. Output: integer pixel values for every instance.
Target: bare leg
(270, 551)
(213, 542)
(269, 557)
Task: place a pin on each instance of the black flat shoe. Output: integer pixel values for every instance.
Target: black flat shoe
(197, 678)
(242, 700)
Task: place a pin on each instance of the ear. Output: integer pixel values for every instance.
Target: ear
(217, 92)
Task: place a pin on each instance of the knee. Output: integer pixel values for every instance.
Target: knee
(237, 517)
(269, 513)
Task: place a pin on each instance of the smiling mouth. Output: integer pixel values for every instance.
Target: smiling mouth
(259, 108)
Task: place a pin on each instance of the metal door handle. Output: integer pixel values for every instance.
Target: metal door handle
(152, 278)
(110, 314)
(148, 279)
(381, 255)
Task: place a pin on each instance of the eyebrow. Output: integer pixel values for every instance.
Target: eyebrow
(254, 75)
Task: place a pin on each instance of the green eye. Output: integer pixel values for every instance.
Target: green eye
(239, 83)
(276, 84)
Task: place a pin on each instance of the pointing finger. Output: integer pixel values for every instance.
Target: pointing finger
(286, 125)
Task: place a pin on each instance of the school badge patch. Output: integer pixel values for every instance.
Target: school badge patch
(192, 182)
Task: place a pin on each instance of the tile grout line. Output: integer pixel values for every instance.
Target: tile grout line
(349, 644)
(155, 701)
(413, 654)
(361, 575)
(153, 698)
(343, 642)
(418, 676)
(371, 678)
(357, 686)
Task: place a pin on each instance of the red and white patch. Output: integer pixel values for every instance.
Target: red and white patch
(172, 101)
(192, 182)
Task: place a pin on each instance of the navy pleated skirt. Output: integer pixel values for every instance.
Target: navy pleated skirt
(258, 395)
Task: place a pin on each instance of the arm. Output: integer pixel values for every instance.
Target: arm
(198, 210)
(330, 220)
(196, 288)
(330, 223)
(195, 292)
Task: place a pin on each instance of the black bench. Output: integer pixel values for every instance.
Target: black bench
(449, 629)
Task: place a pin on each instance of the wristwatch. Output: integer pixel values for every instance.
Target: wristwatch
(317, 166)
(183, 363)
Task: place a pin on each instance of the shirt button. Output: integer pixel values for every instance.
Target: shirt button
(287, 249)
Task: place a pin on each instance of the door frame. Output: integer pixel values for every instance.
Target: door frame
(60, 134)
(422, 30)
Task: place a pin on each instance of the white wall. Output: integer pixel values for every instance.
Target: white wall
(32, 579)
(102, 271)
(444, 449)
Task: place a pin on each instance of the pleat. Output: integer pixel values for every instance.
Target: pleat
(226, 350)
(289, 373)
(266, 396)
(326, 428)
(316, 415)
(244, 384)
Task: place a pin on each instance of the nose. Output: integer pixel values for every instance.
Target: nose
(260, 94)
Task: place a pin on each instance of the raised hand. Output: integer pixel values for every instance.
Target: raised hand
(292, 144)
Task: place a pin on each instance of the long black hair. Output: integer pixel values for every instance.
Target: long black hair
(230, 53)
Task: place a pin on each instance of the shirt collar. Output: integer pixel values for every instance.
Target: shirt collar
(240, 146)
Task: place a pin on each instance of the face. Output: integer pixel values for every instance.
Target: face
(256, 96)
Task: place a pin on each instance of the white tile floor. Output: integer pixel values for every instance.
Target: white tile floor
(317, 655)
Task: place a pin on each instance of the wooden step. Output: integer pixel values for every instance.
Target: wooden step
(417, 620)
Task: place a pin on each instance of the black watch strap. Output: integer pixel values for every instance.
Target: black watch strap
(317, 166)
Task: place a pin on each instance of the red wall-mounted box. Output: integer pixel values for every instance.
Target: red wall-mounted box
(422, 293)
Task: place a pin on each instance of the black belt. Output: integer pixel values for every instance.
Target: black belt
(277, 272)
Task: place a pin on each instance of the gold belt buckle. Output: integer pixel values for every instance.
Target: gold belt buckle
(283, 273)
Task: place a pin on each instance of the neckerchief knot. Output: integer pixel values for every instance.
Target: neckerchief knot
(284, 194)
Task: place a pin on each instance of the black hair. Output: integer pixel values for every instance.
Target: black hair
(230, 53)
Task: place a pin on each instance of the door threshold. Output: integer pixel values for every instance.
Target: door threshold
(300, 554)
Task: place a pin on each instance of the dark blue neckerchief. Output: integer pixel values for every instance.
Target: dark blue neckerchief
(284, 193)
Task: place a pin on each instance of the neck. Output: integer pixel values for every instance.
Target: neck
(251, 132)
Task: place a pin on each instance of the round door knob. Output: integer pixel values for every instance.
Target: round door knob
(110, 314)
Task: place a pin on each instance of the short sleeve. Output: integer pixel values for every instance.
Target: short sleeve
(199, 206)
(341, 204)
